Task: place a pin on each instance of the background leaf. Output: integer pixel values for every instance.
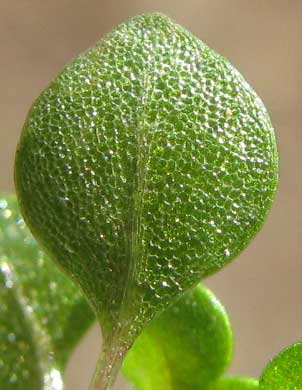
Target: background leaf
(188, 346)
(284, 372)
(42, 314)
(19, 357)
(234, 383)
(148, 164)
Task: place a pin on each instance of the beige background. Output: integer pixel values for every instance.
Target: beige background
(262, 38)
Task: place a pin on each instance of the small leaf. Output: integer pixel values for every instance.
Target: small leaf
(42, 314)
(284, 372)
(148, 164)
(188, 346)
(234, 383)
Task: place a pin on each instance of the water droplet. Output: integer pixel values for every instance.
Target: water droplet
(6, 269)
(53, 286)
(227, 252)
(7, 213)
(11, 337)
(13, 378)
(53, 380)
(9, 284)
(3, 204)
(165, 284)
(20, 223)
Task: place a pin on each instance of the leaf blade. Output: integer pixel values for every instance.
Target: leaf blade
(147, 165)
(187, 346)
(284, 372)
(235, 383)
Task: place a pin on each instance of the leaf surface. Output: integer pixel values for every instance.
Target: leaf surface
(187, 346)
(42, 314)
(235, 383)
(148, 164)
(284, 372)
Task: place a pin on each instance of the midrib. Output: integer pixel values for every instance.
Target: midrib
(143, 152)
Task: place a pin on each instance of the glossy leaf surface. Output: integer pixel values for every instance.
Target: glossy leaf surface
(146, 165)
(284, 372)
(42, 314)
(187, 347)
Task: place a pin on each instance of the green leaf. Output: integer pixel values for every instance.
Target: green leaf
(148, 164)
(284, 372)
(188, 346)
(234, 383)
(42, 314)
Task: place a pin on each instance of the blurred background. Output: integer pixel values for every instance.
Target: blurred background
(261, 290)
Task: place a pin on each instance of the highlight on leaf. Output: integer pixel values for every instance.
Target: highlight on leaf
(42, 314)
(235, 383)
(148, 164)
(284, 372)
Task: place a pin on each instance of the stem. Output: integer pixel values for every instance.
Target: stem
(107, 369)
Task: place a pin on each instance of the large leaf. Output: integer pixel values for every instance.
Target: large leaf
(146, 165)
(188, 346)
(284, 372)
(42, 314)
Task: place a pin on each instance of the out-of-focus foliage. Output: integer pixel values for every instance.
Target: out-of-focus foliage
(42, 314)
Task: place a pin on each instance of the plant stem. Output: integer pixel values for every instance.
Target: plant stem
(107, 369)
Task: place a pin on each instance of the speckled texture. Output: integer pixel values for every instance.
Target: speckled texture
(146, 165)
(284, 372)
(42, 314)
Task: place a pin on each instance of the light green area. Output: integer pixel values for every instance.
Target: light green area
(284, 372)
(186, 347)
(234, 383)
(42, 314)
(148, 164)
